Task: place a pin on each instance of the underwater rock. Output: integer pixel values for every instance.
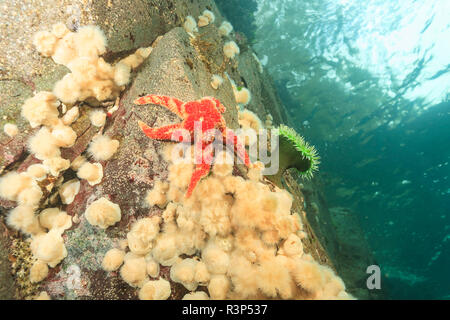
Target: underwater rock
(176, 67)
(265, 98)
(128, 25)
(137, 163)
(6, 279)
(353, 253)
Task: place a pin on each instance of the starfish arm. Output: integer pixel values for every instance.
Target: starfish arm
(162, 133)
(173, 104)
(201, 169)
(231, 139)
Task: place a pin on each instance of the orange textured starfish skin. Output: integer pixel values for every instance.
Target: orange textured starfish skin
(207, 111)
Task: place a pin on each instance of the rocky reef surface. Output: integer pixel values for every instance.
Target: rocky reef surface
(339, 231)
(178, 66)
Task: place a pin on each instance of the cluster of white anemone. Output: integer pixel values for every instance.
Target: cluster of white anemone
(92, 80)
(235, 237)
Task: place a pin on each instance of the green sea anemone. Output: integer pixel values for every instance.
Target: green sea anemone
(294, 152)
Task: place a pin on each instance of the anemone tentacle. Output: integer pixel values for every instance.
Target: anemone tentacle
(294, 152)
(306, 150)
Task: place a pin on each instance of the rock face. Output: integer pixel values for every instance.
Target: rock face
(128, 25)
(338, 230)
(6, 280)
(179, 66)
(353, 252)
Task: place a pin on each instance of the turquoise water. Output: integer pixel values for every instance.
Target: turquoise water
(368, 82)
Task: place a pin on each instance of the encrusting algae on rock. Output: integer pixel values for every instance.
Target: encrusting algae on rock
(22, 261)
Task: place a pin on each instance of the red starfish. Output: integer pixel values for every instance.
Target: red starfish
(207, 112)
